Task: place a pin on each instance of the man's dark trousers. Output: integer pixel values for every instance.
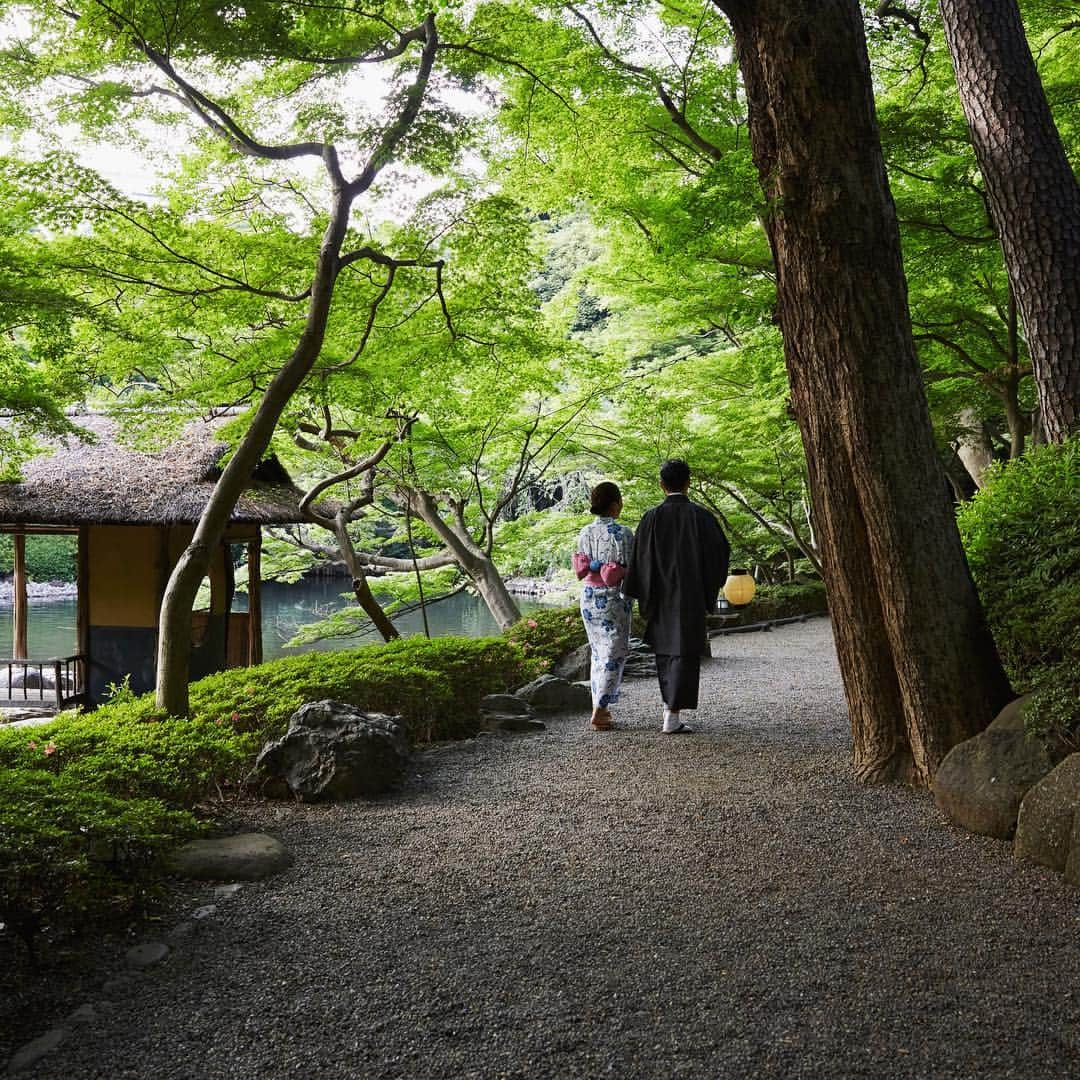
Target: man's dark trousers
(679, 676)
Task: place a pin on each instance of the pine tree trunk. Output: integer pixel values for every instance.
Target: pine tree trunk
(1033, 193)
(920, 670)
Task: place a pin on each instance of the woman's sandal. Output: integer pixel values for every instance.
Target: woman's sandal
(602, 721)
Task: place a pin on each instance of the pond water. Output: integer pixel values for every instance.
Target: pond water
(51, 626)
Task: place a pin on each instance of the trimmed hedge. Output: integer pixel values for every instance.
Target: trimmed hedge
(547, 636)
(784, 602)
(91, 802)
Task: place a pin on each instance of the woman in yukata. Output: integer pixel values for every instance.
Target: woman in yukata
(603, 551)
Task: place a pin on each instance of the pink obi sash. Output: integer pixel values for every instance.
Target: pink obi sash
(598, 574)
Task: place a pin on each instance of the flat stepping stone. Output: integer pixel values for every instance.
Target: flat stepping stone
(27, 1055)
(243, 857)
(144, 956)
(519, 723)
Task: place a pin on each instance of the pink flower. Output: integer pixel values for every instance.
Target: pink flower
(235, 716)
(50, 749)
(32, 744)
(532, 623)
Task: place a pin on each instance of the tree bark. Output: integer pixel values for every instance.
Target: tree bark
(174, 633)
(973, 447)
(920, 669)
(1033, 193)
(361, 589)
(476, 563)
(174, 622)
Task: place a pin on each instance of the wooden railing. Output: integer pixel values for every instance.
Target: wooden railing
(56, 683)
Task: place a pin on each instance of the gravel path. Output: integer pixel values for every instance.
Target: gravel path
(572, 904)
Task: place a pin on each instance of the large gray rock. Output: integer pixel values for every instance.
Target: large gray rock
(334, 751)
(982, 781)
(574, 666)
(1011, 718)
(641, 663)
(1048, 827)
(243, 857)
(552, 694)
(508, 713)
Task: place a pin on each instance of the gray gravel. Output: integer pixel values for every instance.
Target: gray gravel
(574, 904)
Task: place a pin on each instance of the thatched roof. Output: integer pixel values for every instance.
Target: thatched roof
(107, 482)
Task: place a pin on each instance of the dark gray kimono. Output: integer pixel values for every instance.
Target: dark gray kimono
(677, 568)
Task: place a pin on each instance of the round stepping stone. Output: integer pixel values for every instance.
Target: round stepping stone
(244, 857)
(144, 956)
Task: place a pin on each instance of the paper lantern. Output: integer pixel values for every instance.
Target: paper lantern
(740, 587)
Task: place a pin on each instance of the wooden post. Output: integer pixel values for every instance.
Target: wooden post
(18, 637)
(255, 643)
(82, 585)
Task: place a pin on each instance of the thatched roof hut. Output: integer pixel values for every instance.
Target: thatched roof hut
(134, 510)
(109, 481)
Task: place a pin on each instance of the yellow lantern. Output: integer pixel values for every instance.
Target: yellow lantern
(740, 587)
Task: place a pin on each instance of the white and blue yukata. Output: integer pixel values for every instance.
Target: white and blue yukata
(603, 552)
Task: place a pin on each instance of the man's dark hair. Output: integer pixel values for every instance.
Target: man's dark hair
(675, 474)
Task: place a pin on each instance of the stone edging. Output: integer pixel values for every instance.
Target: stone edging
(751, 628)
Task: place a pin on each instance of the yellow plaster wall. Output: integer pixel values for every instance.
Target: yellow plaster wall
(126, 573)
(123, 567)
(179, 537)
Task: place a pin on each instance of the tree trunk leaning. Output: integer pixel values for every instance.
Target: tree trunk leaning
(472, 559)
(1033, 193)
(174, 625)
(920, 669)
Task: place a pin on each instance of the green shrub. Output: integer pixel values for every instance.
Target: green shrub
(1022, 538)
(71, 851)
(785, 601)
(547, 636)
(89, 802)
(435, 685)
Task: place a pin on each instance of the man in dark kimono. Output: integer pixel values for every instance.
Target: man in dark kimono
(678, 564)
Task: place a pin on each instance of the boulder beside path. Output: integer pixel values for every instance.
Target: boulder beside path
(549, 693)
(1048, 826)
(983, 780)
(333, 750)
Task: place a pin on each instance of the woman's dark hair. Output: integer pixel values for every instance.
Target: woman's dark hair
(604, 496)
(675, 474)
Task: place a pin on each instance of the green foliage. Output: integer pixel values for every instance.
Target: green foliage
(1054, 709)
(70, 851)
(547, 636)
(89, 803)
(48, 558)
(786, 601)
(1022, 537)
(540, 543)
(434, 684)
